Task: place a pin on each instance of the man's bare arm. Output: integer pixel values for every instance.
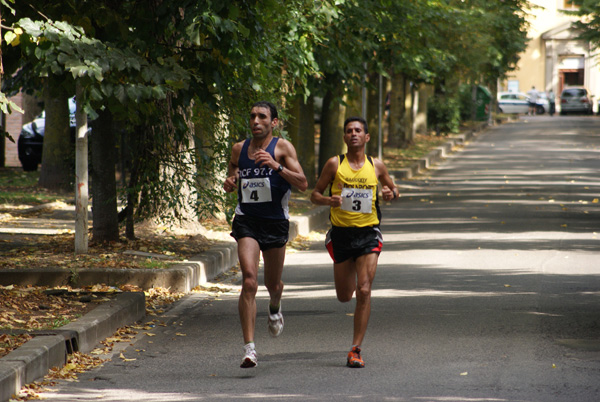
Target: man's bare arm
(389, 191)
(327, 176)
(230, 183)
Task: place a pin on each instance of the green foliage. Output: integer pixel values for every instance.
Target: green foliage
(443, 113)
(589, 23)
(180, 77)
(106, 71)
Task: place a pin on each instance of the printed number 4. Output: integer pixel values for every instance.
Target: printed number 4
(254, 195)
(356, 205)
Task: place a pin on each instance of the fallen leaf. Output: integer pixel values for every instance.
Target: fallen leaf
(125, 359)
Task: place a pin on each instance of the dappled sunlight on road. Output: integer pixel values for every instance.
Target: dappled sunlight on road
(118, 395)
(133, 395)
(398, 293)
(308, 291)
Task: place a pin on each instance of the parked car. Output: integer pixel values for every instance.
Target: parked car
(513, 102)
(31, 139)
(576, 100)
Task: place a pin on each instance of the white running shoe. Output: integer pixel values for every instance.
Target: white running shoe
(276, 323)
(249, 359)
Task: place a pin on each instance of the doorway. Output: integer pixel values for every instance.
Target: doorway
(570, 77)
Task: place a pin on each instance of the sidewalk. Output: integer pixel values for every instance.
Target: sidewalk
(33, 360)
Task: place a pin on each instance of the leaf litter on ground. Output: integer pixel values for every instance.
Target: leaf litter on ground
(157, 301)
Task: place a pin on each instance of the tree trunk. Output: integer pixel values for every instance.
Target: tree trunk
(397, 111)
(104, 187)
(332, 125)
(372, 116)
(2, 122)
(134, 140)
(58, 152)
(301, 129)
(32, 107)
(354, 102)
(424, 92)
(306, 144)
(3, 138)
(411, 120)
(81, 174)
(292, 125)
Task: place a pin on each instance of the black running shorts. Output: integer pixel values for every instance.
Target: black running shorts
(344, 243)
(269, 233)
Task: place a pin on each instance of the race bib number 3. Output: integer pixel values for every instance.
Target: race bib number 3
(256, 190)
(357, 200)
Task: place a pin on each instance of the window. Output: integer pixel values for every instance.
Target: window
(569, 5)
(575, 93)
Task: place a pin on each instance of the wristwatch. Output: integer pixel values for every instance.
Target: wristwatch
(280, 168)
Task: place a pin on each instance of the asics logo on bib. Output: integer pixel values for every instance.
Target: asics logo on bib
(253, 184)
(353, 194)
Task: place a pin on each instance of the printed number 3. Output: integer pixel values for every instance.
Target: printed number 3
(356, 205)
(254, 195)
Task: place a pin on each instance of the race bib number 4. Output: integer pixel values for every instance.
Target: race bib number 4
(256, 190)
(357, 200)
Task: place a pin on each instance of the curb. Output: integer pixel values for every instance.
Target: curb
(302, 225)
(181, 277)
(36, 357)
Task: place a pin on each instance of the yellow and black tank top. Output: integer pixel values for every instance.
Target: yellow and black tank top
(358, 189)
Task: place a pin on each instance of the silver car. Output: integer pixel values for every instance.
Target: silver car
(575, 100)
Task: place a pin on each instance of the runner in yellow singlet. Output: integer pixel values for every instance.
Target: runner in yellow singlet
(358, 189)
(354, 240)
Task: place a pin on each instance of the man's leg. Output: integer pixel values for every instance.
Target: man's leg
(274, 259)
(366, 266)
(248, 254)
(344, 276)
(356, 276)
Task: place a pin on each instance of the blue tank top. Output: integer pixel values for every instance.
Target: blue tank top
(262, 192)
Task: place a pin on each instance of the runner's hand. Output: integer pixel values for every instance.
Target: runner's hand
(230, 184)
(335, 201)
(263, 158)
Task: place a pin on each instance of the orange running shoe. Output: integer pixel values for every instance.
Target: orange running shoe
(354, 359)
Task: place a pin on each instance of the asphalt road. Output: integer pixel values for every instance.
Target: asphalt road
(488, 289)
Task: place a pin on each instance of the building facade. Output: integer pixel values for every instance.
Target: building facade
(554, 57)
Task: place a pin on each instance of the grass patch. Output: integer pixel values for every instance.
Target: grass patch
(18, 187)
(154, 263)
(58, 322)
